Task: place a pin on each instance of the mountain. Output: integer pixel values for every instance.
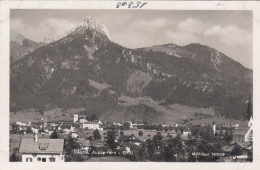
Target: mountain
(21, 46)
(49, 38)
(163, 83)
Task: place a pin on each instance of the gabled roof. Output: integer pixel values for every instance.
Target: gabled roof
(28, 145)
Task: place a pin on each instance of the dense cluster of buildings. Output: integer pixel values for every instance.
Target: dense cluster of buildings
(31, 148)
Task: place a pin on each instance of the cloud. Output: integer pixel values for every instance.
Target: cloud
(191, 25)
(16, 24)
(57, 27)
(230, 35)
(154, 24)
(181, 38)
(186, 31)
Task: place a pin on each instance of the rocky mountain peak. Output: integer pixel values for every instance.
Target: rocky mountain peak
(19, 39)
(49, 38)
(92, 24)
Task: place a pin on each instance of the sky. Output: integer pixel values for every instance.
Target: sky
(230, 32)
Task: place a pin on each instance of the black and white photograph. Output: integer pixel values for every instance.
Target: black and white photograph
(111, 85)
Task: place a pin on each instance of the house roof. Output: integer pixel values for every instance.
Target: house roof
(28, 145)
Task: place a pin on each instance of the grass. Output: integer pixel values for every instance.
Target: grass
(32, 115)
(172, 113)
(145, 134)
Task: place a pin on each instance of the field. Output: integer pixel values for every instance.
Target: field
(145, 134)
(171, 113)
(33, 115)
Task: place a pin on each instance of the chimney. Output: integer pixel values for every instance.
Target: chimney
(35, 138)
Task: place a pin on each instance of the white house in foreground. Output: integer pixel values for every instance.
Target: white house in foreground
(42, 150)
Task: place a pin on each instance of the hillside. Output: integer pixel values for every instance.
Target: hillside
(22, 46)
(163, 83)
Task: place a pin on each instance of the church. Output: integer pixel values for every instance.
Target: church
(243, 135)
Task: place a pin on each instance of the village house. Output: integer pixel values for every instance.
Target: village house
(74, 134)
(21, 124)
(244, 134)
(41, 150)
(186, 132)
(75, 118)
(35, 130)
(82, 120)
(66, 127)
(92, 126)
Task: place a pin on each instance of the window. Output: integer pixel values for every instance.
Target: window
(28, 159)
(39, 159)
(52, 159)
(43, 159)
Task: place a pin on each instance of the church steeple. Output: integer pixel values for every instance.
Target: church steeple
(249, 112)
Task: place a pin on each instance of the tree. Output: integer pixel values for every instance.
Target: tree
(249, 112)
(14, 129)
(70, 145)
(29, 130)
(140, 153)
(96, 135)
(54, 135)
(178, 147)
(122, 133)
(237, 150)
(169, 152)
(158, 139)
(61, 131)
(151, 148)
(90, 138)
(110, 140)
(126, 126)
(93, 118)
(140, 133)
(191, 146)
(228, 136)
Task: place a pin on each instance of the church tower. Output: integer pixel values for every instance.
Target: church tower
(249, 113)
(76, 118)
